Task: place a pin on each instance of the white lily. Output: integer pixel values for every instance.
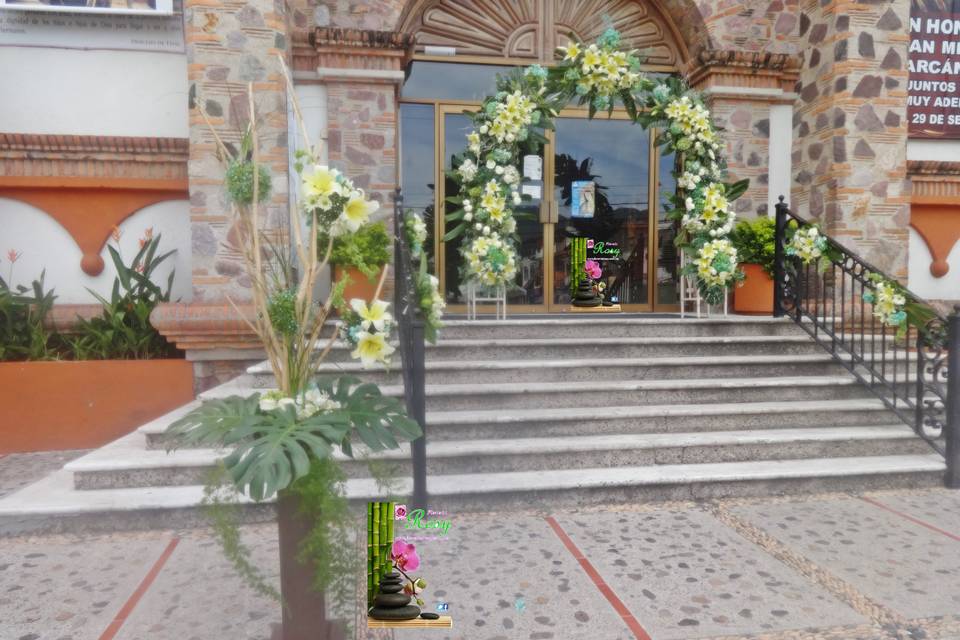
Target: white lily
(372, 348)
(375, 314)
(357, 210)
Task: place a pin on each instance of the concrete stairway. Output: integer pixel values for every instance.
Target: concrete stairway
(541, 412)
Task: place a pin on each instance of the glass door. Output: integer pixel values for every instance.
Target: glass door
(606, 174)
(601, 178)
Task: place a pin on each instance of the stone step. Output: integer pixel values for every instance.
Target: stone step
(595, 347)
(586, 369)
(125, 463)
(568, 422)
(616, 326)
(601, 393)
(54, 505)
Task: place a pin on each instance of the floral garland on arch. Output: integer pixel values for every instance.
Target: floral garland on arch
(599, 75)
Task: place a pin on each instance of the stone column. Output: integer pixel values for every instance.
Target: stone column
(361, 71)
(850, 128)
(742, 88)
(229, 45)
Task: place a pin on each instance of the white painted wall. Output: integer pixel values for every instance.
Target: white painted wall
(95, 92)
(780, 170)
(941, 150)
(919, 278)
(44, 244)
(922, 282)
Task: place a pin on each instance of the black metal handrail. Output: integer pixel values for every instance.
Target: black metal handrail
(412, 348)
(909, 371)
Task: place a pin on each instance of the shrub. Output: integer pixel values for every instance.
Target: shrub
(367, 250)
(754, 240)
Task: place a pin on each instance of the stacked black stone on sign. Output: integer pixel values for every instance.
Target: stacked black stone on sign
(391, 603)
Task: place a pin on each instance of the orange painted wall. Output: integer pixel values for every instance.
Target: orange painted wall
(46, 406)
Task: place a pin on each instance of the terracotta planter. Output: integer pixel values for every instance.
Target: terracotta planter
(85, 404)
(755, 293)
(360, 286)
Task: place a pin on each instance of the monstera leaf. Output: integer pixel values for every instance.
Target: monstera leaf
(270, 450)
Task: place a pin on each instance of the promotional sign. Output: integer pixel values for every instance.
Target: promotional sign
(583, 199)
(603, 250)
(933, 90)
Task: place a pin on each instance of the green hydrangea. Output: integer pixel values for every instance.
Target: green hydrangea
(239, 181)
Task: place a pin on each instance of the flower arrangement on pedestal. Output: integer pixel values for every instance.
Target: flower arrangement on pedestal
(281, 442)
(598, 75)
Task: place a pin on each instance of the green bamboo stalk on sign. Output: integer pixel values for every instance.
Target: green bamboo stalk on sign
(385, 516)
(376, 548)
(370, 582)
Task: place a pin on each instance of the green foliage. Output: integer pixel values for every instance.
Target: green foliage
(367, 250)
(755, 242)
(271, 450)
(123, 331)
(220, 502)
(282, 311)
(239, 181)
(23, 311)
(329, 546)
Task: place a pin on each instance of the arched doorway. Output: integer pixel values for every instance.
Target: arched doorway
(461, 46)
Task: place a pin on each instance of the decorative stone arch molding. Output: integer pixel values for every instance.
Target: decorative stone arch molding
(667, 32)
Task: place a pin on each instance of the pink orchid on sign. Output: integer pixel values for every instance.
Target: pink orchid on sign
(592, 269)
(404, 556)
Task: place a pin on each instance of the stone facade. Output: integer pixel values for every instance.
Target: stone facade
(850, 128)
(841, 68)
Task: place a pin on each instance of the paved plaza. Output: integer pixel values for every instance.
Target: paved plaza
(881, 565)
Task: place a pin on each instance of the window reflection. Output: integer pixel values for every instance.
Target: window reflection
(614, 154)
(417, 171)
(451, 81)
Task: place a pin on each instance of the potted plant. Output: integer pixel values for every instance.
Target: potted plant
(280, 444)
(754, 241)
(83, 387)
(359, 259)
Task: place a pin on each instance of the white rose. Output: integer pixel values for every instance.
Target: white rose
(486, 230)
(491, 164)
(468, 216)
(484, 128)
(478, 227)
(498, 170)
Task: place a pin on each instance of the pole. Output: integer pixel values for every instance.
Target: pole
(779, 272)
(953, 400)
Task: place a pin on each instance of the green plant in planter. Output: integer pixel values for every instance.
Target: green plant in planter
(23, 311)
(367, 249)
(123, 331)
(755, 240)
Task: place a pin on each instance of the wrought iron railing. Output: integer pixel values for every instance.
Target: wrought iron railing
(908, 370)
(412, 348)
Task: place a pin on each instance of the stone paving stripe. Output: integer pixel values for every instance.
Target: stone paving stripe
(841, 589)
(131, 603)
(638, 631)
(912, 519)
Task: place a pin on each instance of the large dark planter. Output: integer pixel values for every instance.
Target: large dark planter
(304, 611)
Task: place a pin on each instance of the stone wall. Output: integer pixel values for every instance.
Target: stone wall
(229, 45)
(850, 129)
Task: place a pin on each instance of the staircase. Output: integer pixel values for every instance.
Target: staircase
(565, 411)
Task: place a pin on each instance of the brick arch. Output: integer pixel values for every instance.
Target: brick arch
(670, 32)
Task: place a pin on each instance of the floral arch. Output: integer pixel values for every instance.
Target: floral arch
(599, 75)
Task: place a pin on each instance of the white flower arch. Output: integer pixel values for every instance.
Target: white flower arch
(599, 75)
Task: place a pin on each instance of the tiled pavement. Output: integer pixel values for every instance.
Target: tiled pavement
(17, 470)
(881, 566)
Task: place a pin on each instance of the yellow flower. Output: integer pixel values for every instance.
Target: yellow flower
(375, 314)
(372, 348)
(321, 181)
(591, 58)
(571, 51)
(357, 210)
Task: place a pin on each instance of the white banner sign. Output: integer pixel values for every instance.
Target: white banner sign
(91, 30)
